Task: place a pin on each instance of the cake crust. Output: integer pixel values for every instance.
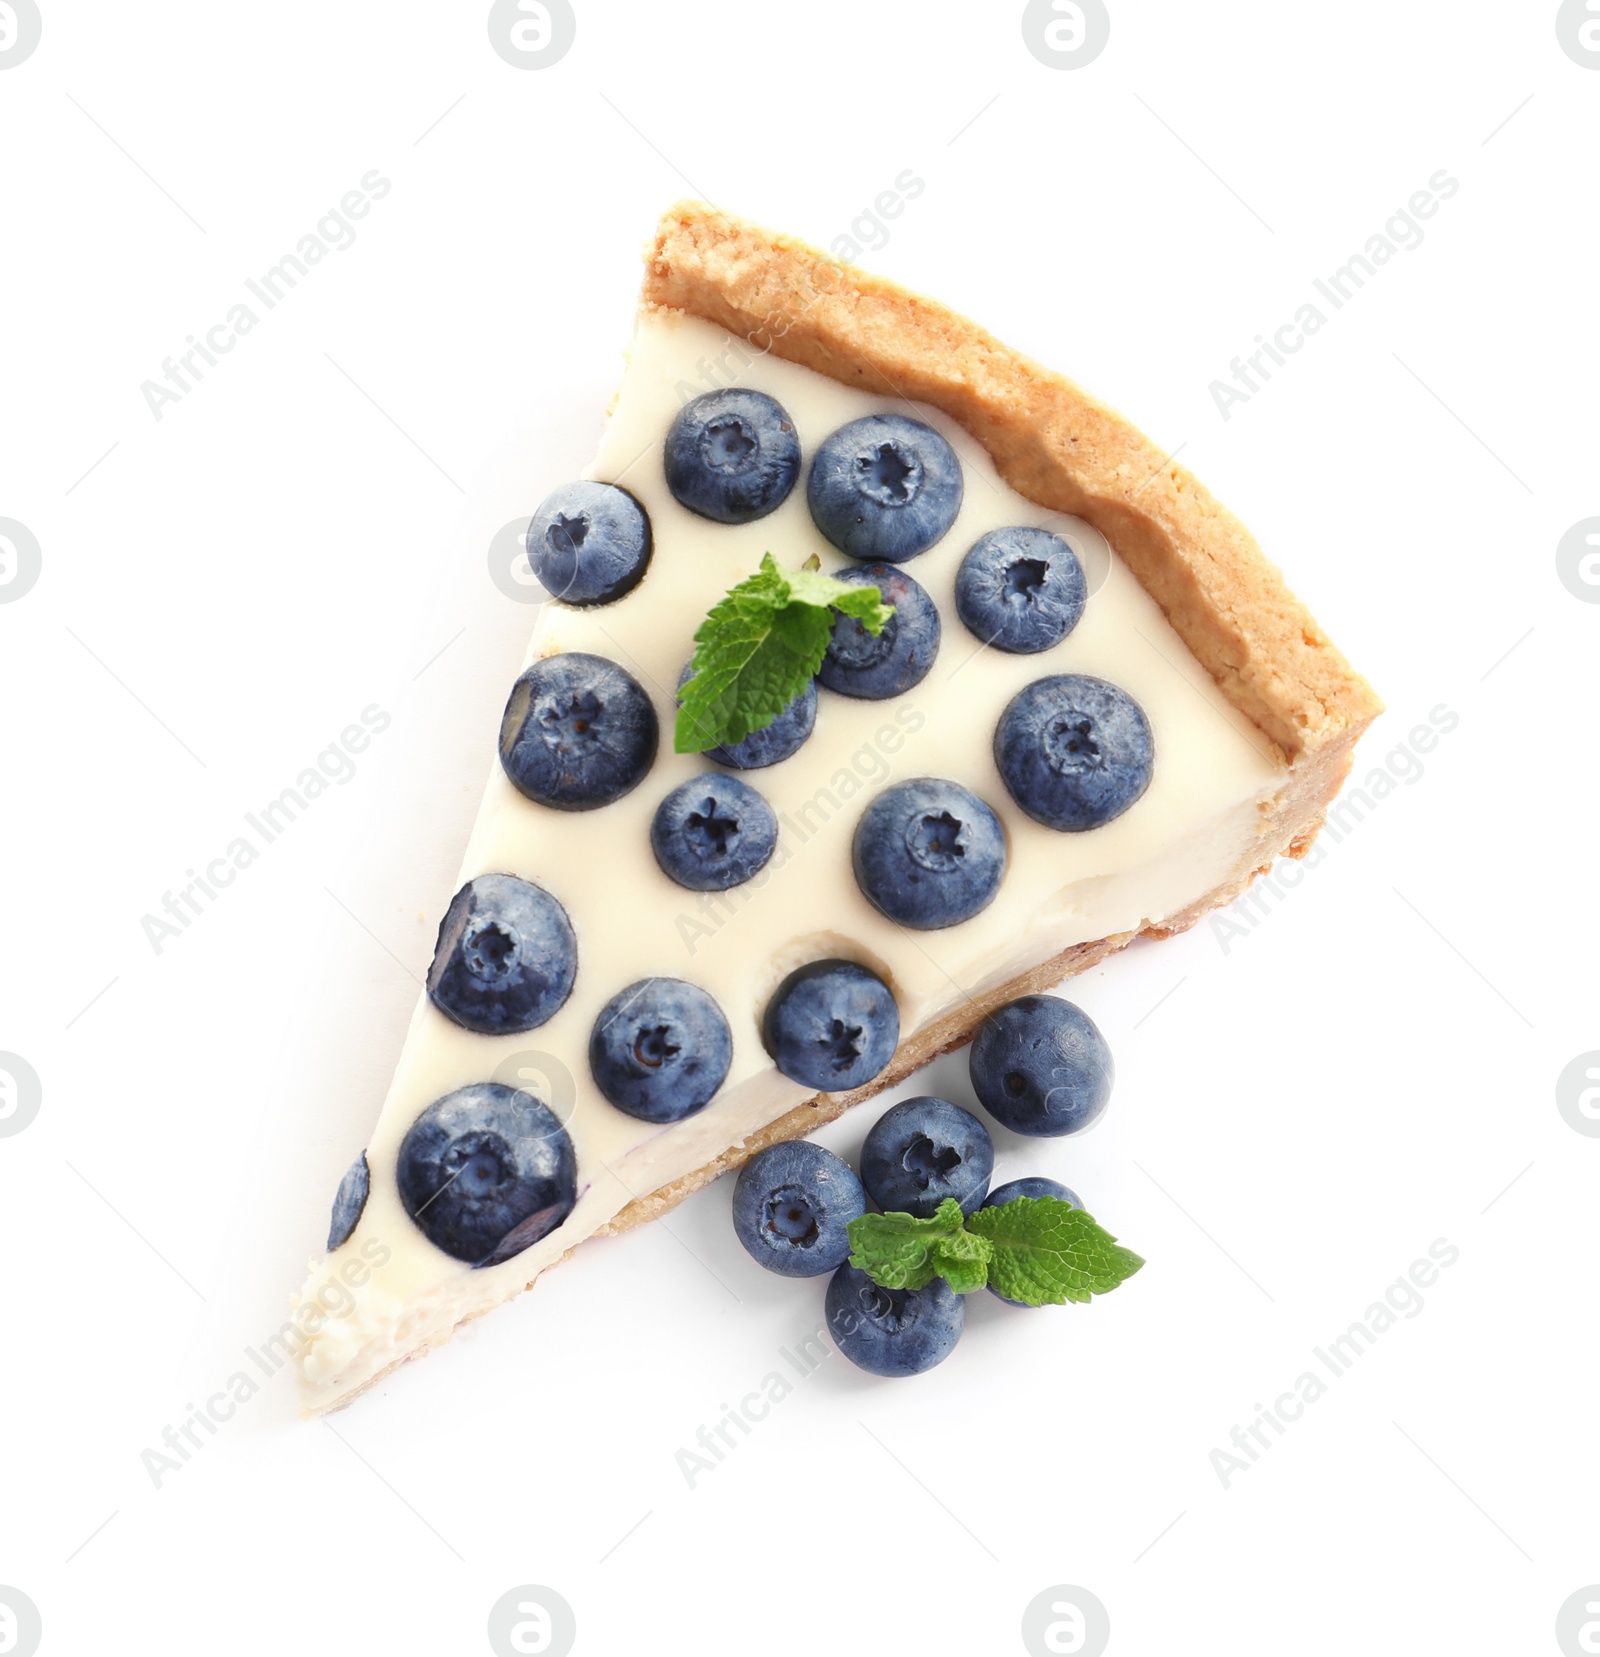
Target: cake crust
(1060, 447)
(1050, 440)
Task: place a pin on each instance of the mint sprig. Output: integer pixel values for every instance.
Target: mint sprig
(899, 1251)
(761, 646)
(1039, 1250)
(1047, 1252)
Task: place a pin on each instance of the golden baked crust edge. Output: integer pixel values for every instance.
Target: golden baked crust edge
(1050, 440)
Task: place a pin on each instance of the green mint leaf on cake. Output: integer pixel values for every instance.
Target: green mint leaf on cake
(1047, 1252)
(761, 646)
(900, 1252)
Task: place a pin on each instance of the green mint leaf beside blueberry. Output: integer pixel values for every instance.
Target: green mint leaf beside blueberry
(1033, 1251)
(824, 592)
(1047, 1252)
(758, 652)
(1031, 1185)
(963, 1261)
(900, 1251)
(767, 744)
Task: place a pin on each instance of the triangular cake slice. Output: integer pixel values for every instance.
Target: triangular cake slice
(512, 1130)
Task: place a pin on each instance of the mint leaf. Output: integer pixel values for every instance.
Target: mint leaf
(962, 1260)
(900, 1252)
(1038, 1250)
(864, 603)
(1047, 1252)
(760, 647)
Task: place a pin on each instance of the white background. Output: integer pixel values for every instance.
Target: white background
(1297, 1115)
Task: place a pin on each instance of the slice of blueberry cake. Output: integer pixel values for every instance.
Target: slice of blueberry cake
(886, 677)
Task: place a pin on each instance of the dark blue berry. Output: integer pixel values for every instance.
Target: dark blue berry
(1040, 1066)
(893, 1332)
(1075, 752)
(713, 832)
(792, 1208)
(506, 957)
(485, 1172)
(578, 732)
(831, 1025)
(589, 543)
(923, 1150)
(884, 487)
(1021, 590)
(929, 853)
(732, 456)
(348, 1202)
(660, 1049)
(877, 666)
(1031, 1185)
(771, 743)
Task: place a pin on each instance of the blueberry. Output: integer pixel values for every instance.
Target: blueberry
(485, 1172)
(578, 732)
(923, 1150)
(660, 1049)
(713, 832)
(893, 1332)
(348, 1202)
(1032, 1185)
(791, 1208)
(732, 456)
(772, 742)
(831, 1025)
(1075, 752)
(1035, 1187)
(589, 543)
(1041, 1067)
(878, 666)
(1021, 589)
(506, 957)
(929, 853)
(884, 487)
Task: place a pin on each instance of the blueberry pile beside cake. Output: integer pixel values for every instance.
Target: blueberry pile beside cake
(898, 1272)
(887, 678)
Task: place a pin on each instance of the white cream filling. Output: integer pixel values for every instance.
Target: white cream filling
(389, 1290)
